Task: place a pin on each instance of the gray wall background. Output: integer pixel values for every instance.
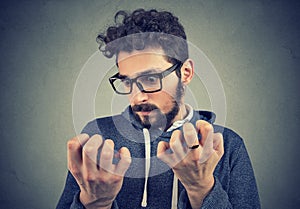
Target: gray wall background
(254, 46)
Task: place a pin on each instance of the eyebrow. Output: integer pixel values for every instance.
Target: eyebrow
(154, 70)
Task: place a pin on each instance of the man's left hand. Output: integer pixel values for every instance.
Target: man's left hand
(193, 161)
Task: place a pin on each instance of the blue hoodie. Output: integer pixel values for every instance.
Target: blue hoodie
(235, 185)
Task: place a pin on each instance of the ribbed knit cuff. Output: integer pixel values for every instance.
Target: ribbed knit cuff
(76, 204)
(217, 198)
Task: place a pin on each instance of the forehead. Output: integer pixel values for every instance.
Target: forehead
(135, 62)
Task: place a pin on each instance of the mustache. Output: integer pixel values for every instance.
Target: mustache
(144, 108)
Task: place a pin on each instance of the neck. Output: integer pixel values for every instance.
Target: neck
(182, 113)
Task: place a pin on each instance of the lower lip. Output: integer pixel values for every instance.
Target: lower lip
(145, 113)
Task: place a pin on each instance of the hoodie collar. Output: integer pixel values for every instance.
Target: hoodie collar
(192, 117)
(179, 123)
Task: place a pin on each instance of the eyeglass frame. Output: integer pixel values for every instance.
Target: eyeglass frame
(161, 75)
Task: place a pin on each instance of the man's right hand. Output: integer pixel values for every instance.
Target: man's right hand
(98, 178)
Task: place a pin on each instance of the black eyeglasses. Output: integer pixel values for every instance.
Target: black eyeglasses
(148, 83)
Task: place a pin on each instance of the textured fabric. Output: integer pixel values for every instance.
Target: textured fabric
(235, 185)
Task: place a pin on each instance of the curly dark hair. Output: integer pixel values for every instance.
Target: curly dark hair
(141, 29)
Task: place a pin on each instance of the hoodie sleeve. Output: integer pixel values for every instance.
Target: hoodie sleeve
(217, 198)
(241, 191)
(70, 196)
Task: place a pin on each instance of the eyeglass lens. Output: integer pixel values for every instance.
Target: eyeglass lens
(146, 83)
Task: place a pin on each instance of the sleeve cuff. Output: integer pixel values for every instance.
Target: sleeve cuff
(76, 204)
(217, 198)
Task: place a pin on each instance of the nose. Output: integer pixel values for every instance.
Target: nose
(137, 94)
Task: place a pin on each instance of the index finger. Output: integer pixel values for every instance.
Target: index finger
(207, 139)
(74, 150)
(205, 129)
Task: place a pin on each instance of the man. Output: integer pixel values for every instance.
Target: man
(159, 153)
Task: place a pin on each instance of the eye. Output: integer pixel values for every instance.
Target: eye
(126, 82)
(152, 79)
(149, 79)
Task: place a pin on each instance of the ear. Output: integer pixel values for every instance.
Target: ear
(187, 71)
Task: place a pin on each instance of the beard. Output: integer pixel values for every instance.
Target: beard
(160, 119)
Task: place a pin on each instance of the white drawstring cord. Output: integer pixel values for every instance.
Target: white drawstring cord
(147, 165)
(148, 157)
(175, 192)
